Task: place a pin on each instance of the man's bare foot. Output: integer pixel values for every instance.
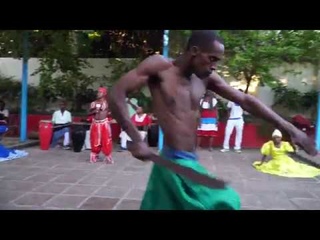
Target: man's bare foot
(109, 160)
(93, 158)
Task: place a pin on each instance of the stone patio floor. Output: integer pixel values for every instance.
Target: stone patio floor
(60, 179)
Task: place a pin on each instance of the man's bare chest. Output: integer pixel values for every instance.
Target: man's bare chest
(179, 93)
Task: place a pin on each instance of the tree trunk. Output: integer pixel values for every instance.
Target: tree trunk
(248, 85)
(74, 41)
(316, 74)
(248, 78)
(314, 109)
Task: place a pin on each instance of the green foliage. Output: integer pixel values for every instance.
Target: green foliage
(293, 99)
(306, 42)
(61, 70)
(10, 90)
(252, 53)
(222, 111)
(309, 99)
(120, 66)
(11, 43)
(249, 54)
(287, 97)
(177, 41)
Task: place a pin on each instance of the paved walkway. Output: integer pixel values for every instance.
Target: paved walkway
(14, 142)
(59, 179)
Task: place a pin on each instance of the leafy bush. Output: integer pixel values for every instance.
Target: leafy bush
(294, 100)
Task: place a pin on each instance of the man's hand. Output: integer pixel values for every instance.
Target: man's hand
(302, 140)
(140, 150)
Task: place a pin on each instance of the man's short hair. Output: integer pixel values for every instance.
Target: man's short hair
(203, 38)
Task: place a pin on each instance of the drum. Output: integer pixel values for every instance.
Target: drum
(153, 133)
(78, 136)
(45, 134)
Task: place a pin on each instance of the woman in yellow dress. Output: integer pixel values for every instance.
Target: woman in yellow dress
(281, 164)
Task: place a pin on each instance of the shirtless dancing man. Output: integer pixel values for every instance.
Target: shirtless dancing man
(100, 132)
(176, 89)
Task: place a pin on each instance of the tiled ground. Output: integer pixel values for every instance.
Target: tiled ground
(14, 142)
(59, 179)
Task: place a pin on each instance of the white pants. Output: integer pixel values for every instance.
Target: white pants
(124, 138)
(66, 139)
(231, 124)
(87, 144)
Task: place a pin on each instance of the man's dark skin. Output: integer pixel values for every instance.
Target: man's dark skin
(2, 106)
(277, 144)
(98, 113)
(63, 107)
(176, 88)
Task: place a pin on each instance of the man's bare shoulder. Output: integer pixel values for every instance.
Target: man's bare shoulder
(215, 81)
(214, 76)
(153, 65)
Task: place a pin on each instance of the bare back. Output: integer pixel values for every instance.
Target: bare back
(176, 104)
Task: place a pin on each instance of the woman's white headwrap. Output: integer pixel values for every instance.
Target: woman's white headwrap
(276, 133)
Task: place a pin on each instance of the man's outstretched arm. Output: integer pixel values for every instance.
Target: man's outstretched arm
(133, 81)
(257, 108)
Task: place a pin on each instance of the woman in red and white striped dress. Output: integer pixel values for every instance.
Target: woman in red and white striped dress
(208, 126)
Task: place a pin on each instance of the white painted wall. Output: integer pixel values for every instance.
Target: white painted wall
(13, 67)
(304, 81)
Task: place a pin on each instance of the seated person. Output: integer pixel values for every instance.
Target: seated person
(3, 130)
(4, 113)
(9, 153)
(61, 120)
(142, 121)
(281, 164)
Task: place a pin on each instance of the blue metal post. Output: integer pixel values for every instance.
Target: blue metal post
(165, 53)
(24, 90)
(318, 123)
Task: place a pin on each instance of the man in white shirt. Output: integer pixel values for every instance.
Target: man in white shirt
(4, 113)
(132, 104)
(235, 121)
(61, 120)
